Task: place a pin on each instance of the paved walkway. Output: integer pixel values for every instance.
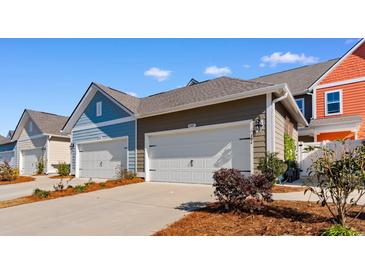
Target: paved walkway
(8, 192)
(139, 209)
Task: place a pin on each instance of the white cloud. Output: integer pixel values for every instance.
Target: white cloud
(218, 71)
(158, 73)
(246, 66)
(288, 58)
(262, 65)
(132, 94)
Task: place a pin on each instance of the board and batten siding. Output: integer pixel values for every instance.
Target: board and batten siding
(234, 111)
(283, 123)
(110, 111)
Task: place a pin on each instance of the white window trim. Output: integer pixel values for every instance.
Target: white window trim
(325, 102)
(303, 101)
(99, 109)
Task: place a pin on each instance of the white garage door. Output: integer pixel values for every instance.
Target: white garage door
(29, 160)
(103, 159)
(192, 156)
(7, 156)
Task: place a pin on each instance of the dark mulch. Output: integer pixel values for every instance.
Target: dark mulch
(277, 218)
(20, 179)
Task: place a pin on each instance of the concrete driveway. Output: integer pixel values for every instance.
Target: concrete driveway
(8, 192)
(139, 209)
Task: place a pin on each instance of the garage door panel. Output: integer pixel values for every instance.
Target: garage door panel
(30, 159)
(103, 159)
(194, 157)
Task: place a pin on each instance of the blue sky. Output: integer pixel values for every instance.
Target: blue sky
(52, 74)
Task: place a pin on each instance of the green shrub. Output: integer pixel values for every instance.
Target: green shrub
(7, 173)
(338, 172)
(102, 184)
(40, 166)
(339, 230)
(63, 169)
(271, 166)
(89, 184)
(41, 194)
(80, 188)
(122, 173)
(60, 186)
(289, 148)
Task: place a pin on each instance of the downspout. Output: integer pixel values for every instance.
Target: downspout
(277, 100)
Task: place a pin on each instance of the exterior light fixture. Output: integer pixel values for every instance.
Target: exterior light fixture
(258, 126)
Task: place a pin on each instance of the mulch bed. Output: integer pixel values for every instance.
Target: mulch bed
(70, 192)
(69, 177)
(277, 218)
(287, 189)
(20, 179)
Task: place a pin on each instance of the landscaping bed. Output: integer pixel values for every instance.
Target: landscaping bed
(68, 177)
(20, 179)
(287, 189)
(70, 191)
(276, 218)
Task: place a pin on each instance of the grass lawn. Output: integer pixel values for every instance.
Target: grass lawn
(70, 192)
(277, 218)
(20, 179)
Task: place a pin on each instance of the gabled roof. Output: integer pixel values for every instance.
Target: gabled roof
(299, 79)
(339, 61)
(48, 123)
(198, 94)
(3, 140)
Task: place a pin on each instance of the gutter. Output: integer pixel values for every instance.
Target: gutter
(273, 103)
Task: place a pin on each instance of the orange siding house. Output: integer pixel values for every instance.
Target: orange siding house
(339, 98)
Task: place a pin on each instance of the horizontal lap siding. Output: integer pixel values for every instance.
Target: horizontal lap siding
(353, 96)
(239, 110)
(107, 132)
(31, 144)
(284, 122)
(59, 152)
(352, 67)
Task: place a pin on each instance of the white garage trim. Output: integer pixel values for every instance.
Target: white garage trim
(196, 129)
(26, 150)
(106, 140)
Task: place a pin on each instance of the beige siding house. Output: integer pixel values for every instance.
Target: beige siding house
(39, 138)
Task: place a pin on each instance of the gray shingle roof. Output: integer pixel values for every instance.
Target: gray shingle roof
(48, 123)
(298, 79)
(200, 92)
(336, 120)
(3, 140)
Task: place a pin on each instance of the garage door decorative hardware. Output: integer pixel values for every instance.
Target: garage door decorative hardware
(152, 169)
(245, 170)
(248, 138)
(152, 145)
(191, 163)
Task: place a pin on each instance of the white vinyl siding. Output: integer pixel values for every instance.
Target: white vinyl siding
(59, 152)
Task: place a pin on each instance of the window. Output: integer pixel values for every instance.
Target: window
(300, 103)
(99, 109)
(333, 102)
(30, 126)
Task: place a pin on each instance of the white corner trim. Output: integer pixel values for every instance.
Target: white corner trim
(325, 103)
(344, 82)
(270, 127)
(103, 124)
(303, 103)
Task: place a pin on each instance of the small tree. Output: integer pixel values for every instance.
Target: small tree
(271, 166)
(40, 166)
(340, 175)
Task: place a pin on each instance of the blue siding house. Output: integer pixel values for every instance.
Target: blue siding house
(103, 134)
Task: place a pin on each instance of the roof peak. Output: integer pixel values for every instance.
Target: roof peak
(287, 70)
(43, 112)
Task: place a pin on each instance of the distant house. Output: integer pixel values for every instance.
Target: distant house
(38, 137)
(7, 151)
